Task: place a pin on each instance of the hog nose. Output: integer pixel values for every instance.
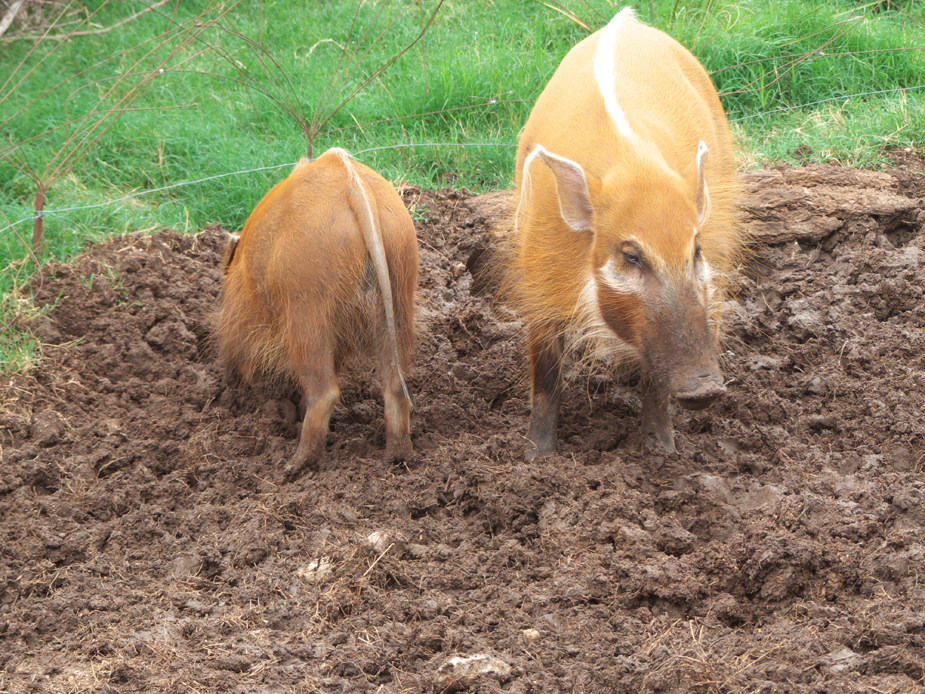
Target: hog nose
(702, 389)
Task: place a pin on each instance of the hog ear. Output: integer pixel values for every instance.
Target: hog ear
(572, 188)
(230, 248)
(702, 194)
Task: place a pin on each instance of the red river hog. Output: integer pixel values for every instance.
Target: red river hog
(625, 224)
(325, 269)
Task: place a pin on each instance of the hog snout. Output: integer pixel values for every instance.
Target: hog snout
(701, 391)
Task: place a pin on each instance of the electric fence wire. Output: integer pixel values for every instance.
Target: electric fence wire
(823, 101)
(62, 210)
(406, 146)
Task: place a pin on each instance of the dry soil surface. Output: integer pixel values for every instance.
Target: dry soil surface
(151, 542)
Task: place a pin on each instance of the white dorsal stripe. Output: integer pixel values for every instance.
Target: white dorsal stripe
(603, 70)
(703, 190)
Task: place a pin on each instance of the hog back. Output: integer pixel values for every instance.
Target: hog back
(301, 275)
(670, 105)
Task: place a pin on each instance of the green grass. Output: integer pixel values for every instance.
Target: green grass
(476, 73)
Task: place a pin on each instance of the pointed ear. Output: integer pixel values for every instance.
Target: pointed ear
(572, 189)
(702, 194)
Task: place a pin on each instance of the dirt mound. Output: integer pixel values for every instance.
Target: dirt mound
(151, 543)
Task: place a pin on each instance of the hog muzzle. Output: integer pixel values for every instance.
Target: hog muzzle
(701, 391)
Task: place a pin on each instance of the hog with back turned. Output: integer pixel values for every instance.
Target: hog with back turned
(325, 269)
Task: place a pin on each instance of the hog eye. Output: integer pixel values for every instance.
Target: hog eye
(697, 253)
(632, 258)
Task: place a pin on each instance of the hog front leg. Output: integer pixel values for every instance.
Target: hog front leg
(546, 346)
(656, 418)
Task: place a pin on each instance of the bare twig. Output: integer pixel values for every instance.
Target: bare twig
(90, 127)
(327, 116)
(10, 16)
(276, 85)
(703, 21)
(73, 34)
(801, 58)
(553, 5)
(4, 92)
(37, 226)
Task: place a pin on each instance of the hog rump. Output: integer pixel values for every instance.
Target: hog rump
(324, 270)
(625, 224)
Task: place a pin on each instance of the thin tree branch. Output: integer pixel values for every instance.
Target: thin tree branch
(10, 16)
(94, 32)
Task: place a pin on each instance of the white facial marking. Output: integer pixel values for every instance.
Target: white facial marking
(603, 70)
(593, 329)
(619, 282)
(587, 300)
(705, 274)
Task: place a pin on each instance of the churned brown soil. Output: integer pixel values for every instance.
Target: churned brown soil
(151, 542)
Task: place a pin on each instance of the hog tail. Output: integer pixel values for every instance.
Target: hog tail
(359, 201)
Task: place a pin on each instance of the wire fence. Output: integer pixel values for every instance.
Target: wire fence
(823, 101)
(63, 210)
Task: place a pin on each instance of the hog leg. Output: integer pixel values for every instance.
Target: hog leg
(321, 392)
(656, 419)
(397, 408)
(231, 373)
(546, 347)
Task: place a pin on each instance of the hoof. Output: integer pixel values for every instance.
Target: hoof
(399, 451)
(699, 403)
(534, 452)
(706, 392)
(661, 441)
(305, 457)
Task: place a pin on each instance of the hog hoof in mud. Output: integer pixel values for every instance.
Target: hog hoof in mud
(306, 458)
(661, 441)
(399, 452)
(533, 452)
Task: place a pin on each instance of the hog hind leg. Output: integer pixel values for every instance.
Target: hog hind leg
(313, 362)
(393, 363)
